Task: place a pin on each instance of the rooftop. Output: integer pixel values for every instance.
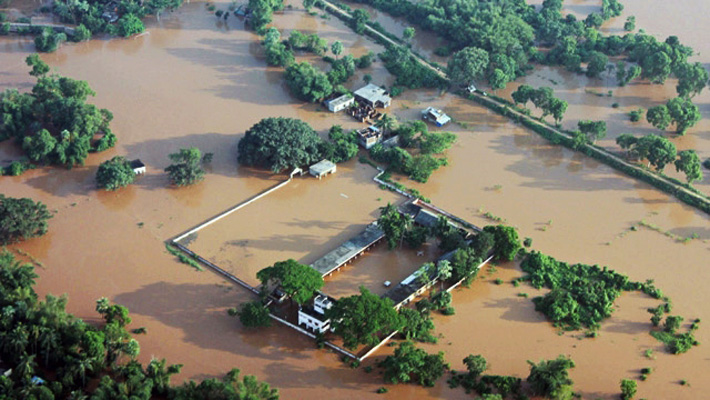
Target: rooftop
(322, 167)
(137, 163)
(346, 251)
(340, 100)
(373, 94)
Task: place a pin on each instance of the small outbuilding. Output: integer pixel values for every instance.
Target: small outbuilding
(373, 96)
(322, 168)
(138, 167)
(340, 103)
(370, 136)
(436, 116)
(313, 317)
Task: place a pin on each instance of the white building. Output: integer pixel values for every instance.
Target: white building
(138, 167)
(436, 116)
(322, 168)
(340, 103)
(313, 317)
(373, 96)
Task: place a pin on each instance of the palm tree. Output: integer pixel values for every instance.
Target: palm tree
(24, 371)
(387, 123)
(443, 271)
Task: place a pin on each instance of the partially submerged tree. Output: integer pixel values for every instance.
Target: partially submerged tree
(21, 219)
(115, 173)
(410, 364)
(550, 378)
(688, 162)
(467, 65)
(360, 319)
(278, 144)
(506, 242)
(299, 282)
(394, 224)
(252, 314)
(187, 167)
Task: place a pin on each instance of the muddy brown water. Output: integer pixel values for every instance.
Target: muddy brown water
(194, 81)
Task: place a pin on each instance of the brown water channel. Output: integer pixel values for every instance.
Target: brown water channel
(194, 81)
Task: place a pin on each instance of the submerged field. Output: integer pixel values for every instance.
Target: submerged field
(196, 81)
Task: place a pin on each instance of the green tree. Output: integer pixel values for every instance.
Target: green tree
(359, 319)
(187, 167)
(21, 219)
(307, 4)
(506, 242)
(228, 388)
(49, 41)
(308, 83)
(550, 378)
(684, 113)
(299, 282)
(597, 64)
(628, 389)
(688, 162)
(476, 365)
(337, 48)
(417, 325)
(39, 67)
(115, 173)
(659, 117)
(81, 34)
(593, 130)
(464, 264)
(630, 23)
(279, 143)
(557, 109)
(692, 79)
(262, 11)
(39, 147)
(467, 65)
(387, 123)
(408, 33)
(411, 364)
(359, 20)
(129, 25)
(658, 150)
(394, 224)
(253, 314)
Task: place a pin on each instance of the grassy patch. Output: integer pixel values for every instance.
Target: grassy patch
(183, 257)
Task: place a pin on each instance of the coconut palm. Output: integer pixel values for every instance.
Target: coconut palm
(387, 123)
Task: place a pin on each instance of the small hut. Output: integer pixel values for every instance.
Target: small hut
(322, 168)
(138, 167)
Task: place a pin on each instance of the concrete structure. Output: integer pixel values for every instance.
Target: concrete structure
(138, 167)
(322, 168)
(348, 250)
(313, 317)
(370, 136)
(340, 103)
(373, 96)
(436, 116)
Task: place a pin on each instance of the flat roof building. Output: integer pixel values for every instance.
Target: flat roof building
(340, 103)
(436, 116)
(322, 168)
(370, 136)
(373, 96)
(138, 167)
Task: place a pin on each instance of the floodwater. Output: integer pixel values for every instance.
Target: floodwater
(196, 81)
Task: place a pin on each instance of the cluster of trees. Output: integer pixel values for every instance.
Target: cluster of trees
(472, 64)
(679, 111)
(414, 136)
(298, 281)
(39, 338)
(581, 295)
(187, 166)
(21, 219)
(410, 364)
(281, 143)
(115, 173)
(262, 11)
(543, 98)
(88, 15)
(53, 123)
(409, 73)
(676, 342)
(588, 132)
(49, 40)
(548, 378)
(659, 152)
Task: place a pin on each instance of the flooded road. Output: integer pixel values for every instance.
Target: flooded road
(196, 81)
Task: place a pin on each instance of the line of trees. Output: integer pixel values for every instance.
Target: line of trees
(543, 98)
(77, 360)
(53, 123)
(659, 152)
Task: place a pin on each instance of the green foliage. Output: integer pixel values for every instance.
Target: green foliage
(49, 41)
(276, 52)
(628, 389)
(593, 130)
(254, 314)
(39, 67)
(692, 79)
(581, 295)
(550, 378)
(187, 167)
(636, 115)
(114, 174)
(415, 237)
(688, 162)
(464, 264)
(299, 282)
(630, 23)
(337, 48)
(183, 257)
(311, 43)
(543, 99)
(261, 12)
(360, 319)
(231, 387)
(21, 219)
(467, 65)
(128, 25)
(506, 242)
(409, 72)
(394, 224)
(81, 33)
(683, 113)
(278, 144)
(308, 83)
(597, 64)
(417, 325)
(410, 364)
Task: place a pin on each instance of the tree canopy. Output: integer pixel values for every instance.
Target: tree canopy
(187, 166)
(550, 378)
(278, 144)
(21, 219)
(410, 364)
(359, 319)
(506, 242)
(299, 282)
(394, 224)
(467, 65)
(115, 173)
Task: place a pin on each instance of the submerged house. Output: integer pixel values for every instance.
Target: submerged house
(436, 116)
(370, 136)
(340, 103)
(322, 168)
(138, 167)
(313, 317)
(373, 96)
